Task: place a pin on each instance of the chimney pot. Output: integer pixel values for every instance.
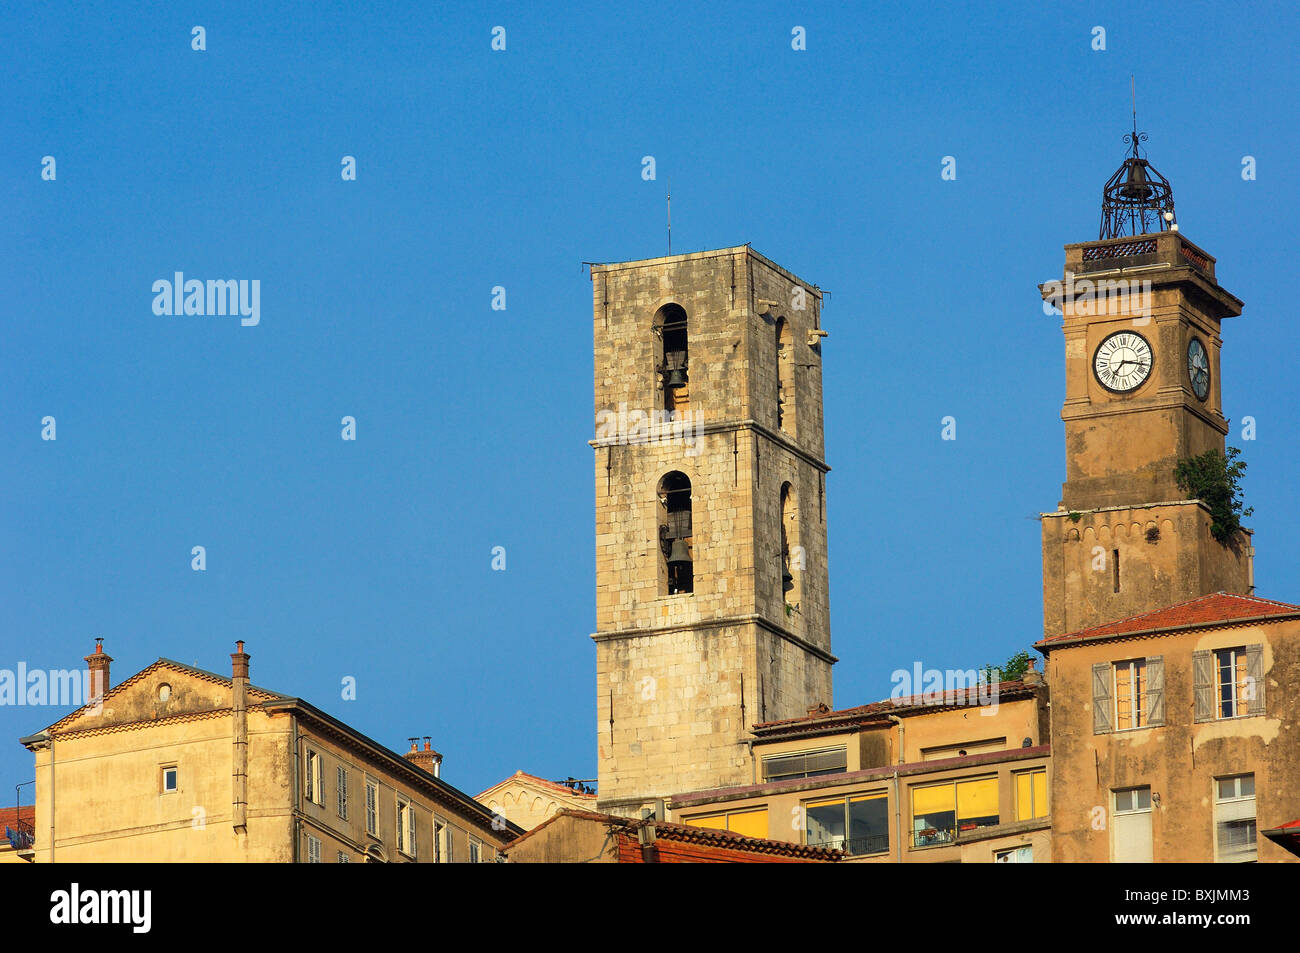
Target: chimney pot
(97, 664)
(239, 662)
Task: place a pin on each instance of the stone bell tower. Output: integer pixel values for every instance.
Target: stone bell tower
(711, 579)
(1142, 311)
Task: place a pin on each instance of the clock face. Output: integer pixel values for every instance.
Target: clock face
(1198, 368)
(1122, 361)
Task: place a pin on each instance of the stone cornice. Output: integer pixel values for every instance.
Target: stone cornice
(718, 623)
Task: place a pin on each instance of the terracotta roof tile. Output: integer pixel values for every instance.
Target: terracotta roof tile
(533, 779)
(686, 834)
(876, 711)
(8, 815)
(1217, 608)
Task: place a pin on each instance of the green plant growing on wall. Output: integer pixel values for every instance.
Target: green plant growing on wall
(1211, 477)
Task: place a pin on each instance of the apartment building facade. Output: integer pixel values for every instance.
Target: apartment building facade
(180, 764)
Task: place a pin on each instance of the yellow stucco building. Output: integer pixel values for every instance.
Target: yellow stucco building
(181, 764)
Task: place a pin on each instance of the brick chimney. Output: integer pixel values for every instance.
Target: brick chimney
(97, 666)
(1032, 676)
(428, 759)
(239, 738)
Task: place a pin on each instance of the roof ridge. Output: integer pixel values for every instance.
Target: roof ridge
(1152, 618)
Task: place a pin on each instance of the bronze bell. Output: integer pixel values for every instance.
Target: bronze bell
(676, 377)
(678, 554)
(787, 581)
(1135, 184)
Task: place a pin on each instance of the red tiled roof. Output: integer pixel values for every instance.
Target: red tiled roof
(686, 834)
(555, 786)
(26, 813)
(876, 711)
(1215, 609)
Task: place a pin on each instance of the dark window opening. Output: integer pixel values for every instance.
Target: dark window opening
(673, 365)
(675, 532)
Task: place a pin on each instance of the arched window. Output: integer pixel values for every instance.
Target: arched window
(675, 533)
(792, 555)
(784, 377)
(671, 356)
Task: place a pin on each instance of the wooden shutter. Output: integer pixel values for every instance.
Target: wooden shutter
(1155, 700)
(1255, 672)
(1101, 702)
(1203, 684)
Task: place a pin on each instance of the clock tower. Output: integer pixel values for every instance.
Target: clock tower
(1142, 311)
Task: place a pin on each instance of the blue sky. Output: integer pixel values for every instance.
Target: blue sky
(478, 168)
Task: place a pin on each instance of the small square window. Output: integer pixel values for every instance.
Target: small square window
(170, 780)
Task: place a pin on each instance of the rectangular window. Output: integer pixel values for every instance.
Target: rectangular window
(1131, 827)
(315, 782)
(1031, 794)
(940, 752)
(439, 841)
(1232, 694)
(313, 850)
(372, 808)
(752, 823)
(858, 824)
(1015, 855)
(475, 851)
(344, 858)
(405, 827)
(1130, 689)
(1234, 820)
(343, 792)
(805, 764)
(941, 811)
(170, 780)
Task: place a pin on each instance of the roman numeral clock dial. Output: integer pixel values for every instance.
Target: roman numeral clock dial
(1122, 361)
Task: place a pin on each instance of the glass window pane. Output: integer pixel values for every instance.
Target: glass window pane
(934, 814)
(869, 825)
(826, 823)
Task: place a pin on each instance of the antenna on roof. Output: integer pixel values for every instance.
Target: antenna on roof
(670, 216)
(1132, 86)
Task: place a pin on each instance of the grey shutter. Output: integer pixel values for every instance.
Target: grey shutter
(1101, 717)
(1155, 700)
(1203, 684)
(1255, 672)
